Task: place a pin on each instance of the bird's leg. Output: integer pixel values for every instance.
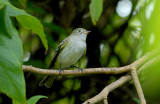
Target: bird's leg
(61, 70)
(77, 67)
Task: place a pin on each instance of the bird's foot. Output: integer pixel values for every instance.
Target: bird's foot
(78, 68)
(61, 70)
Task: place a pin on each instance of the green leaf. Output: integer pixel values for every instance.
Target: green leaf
(11, 56)
(27, 21)
(96, 8)
(34, 99)
(31, 23)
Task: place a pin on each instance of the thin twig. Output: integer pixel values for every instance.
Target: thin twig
(105, 101)
(138, 86)
(150, 62)
(104, 93)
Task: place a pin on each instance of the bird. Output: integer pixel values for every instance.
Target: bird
(69, 51)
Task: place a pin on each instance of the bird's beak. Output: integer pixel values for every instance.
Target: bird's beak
(87, 32)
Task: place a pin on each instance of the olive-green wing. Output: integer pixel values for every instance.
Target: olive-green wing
(48, 80)
(58, 50)
(84, 52)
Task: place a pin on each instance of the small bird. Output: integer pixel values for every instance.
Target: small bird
(69, 51)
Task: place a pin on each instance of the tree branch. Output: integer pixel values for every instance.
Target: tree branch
(104, 93)
(105, 101)
(138, 86)
(76, 71)
(104, 70)
(102, 96)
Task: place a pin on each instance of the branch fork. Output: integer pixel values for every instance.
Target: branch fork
(140, 64)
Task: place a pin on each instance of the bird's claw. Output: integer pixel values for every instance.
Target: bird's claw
(61, 71)
(78, 68)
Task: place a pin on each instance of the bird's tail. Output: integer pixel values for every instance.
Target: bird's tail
(47, 81)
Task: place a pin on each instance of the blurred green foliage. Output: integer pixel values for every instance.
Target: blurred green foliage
(122, 31)
(150, 20)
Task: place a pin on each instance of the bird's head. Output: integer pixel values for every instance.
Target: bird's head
(80, 33)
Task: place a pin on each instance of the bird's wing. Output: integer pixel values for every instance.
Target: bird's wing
(84, 52)
(58, 50)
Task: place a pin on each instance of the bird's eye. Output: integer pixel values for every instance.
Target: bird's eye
(79, 31)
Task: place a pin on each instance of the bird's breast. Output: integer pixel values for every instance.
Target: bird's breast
(72, 52)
